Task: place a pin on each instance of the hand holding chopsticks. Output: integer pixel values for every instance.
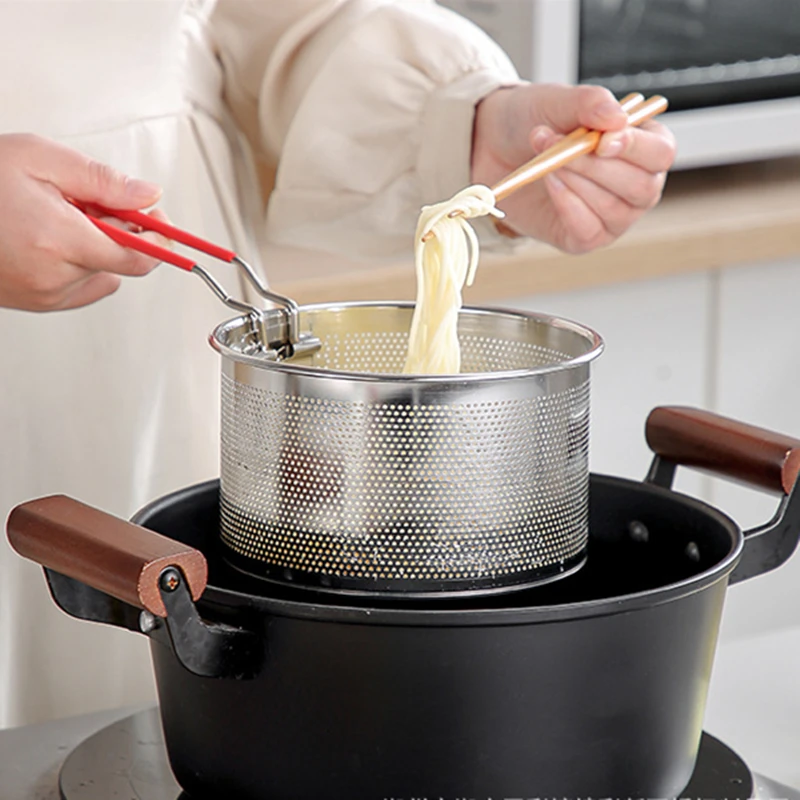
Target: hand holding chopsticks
(580, 142)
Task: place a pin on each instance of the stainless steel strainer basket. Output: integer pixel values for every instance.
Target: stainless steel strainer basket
(339, 472)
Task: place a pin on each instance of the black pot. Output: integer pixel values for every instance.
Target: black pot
(591, 686)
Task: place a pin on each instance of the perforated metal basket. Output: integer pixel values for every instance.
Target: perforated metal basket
(338, 472)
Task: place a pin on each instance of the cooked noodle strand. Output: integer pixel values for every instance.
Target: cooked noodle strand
(444, 264)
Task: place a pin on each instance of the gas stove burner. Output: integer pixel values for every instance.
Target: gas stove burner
(128, 759)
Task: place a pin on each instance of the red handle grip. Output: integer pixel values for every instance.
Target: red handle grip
(148, 223)
(135, 242)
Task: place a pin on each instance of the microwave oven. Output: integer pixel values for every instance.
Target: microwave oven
(729, 68)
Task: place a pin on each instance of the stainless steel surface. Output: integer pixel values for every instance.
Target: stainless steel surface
(287, 303)
(280, 340)
(336, 464)
(220, 291)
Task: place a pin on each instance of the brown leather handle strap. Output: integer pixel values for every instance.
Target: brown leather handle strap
(102, 551)
(710, 442)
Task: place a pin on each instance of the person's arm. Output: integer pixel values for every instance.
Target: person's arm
(366, 106)
(369, 109)
(51, 256)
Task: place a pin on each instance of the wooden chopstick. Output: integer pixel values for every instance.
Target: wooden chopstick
(628, 104)
(575, 144)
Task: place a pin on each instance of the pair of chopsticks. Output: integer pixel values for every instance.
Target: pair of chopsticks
(577, 143)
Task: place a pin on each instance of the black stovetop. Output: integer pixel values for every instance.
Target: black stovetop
(128, 759)
(124, 758)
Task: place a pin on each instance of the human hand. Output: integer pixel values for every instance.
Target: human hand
(51, 256)
(594, 199)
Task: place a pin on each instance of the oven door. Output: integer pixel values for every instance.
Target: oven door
(699, 53)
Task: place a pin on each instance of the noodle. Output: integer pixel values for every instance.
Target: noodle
(444, 264)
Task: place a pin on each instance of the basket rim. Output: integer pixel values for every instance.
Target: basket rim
(217, 340)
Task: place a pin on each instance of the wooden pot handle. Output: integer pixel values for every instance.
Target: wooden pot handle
(102, 551)
(707, 441)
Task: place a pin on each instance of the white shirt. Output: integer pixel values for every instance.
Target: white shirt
(364, 107)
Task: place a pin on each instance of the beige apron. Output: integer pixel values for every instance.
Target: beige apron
(117, 403)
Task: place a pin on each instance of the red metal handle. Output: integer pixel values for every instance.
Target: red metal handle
(135, 242)
(148, 223)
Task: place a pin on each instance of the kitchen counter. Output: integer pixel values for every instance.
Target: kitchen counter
(31, 756)
(709, 218)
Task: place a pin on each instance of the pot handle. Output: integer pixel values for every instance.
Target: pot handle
(759, 457)
(695, 438)
(104, 552)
